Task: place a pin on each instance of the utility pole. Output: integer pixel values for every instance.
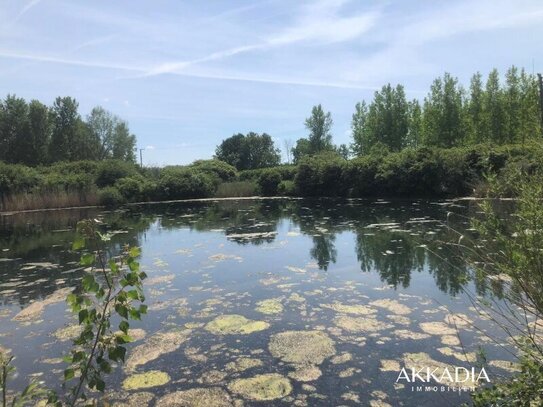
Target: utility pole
(541, 98)
(141, 157)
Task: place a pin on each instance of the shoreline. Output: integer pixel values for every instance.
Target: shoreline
(245, 198)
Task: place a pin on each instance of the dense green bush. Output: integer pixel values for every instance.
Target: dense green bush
(224, 171)
(136, 188)
(110, 197)
(17, 178)
(322, 175)
(183, 183)
(286, 188)
(288, 172)
(268, 181)
(110, 171)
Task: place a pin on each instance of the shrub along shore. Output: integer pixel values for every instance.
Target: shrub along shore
(411, 173)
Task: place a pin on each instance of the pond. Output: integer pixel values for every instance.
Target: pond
(290, 301)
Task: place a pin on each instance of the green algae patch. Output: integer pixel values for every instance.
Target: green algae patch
(263, 387)
(437, 328)
(392, 305)
(389, 365)
(305, 373)
(242, 364)
(145, 380)
(505, 365)
(349, 309)
(235, 324)
(269, 307)
(155, 346)
(302, 347)
(197, 397)
(360, 324)
(68, 332)
(34, 310)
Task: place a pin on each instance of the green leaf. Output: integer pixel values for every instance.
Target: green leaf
(79, 243)
(83, 315)
(68, 374)
(121, 310)
(87, 259)
(123, 326)
(134, 252)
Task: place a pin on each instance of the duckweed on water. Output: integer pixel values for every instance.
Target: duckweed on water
(270, 306)
(154, 347)
(458, 354)
(343, 358)
(198, 397)
(263, 387)
(145, 380)
(407, 334)
(389, 365)
(302, 347)
(235, 324)
(505, 365)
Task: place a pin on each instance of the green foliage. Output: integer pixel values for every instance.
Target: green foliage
(222, 170)
(524, 389)
(110, 197)
(136, 188)
(286, 188)
(288, 172)
(184, 183)
(249, 151)
(110, 171)
(34, 134)
(268, 182)
(112, 287)
(111, 290)
(17, 178)
(236, 189)
(450, 116)
(322, 175)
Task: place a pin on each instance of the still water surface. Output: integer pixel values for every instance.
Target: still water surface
(337, 296)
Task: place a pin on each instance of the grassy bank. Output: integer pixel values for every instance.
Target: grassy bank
(411, 173)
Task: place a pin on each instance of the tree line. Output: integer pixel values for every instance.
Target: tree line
(489, 111)
(32, 133)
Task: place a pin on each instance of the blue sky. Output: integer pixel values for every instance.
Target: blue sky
(186, 74)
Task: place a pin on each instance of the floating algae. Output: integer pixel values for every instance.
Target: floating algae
(459, 320)
(305, 373)
(451, 340)
(242, 364)
(296, 297)
(222, 257)
(389, 365)
(198, 397)
(270, 306)
(160, 280)
(347, 372)
(462, 356)
(505, 365)
(212, 377)
(407, 334)
(343, 358)
(235, 324)
(140, 399)
(392, 305)
(349, 309)
(437, 328)
(399, 319)
(423, 361)
(155, 346)
(34, 310)
(302, 347)
(262, 387)
(68, 332)
(145, 380)
(360, 324)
